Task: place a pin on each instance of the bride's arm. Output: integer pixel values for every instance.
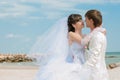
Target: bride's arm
(75, 37)
(83, 40)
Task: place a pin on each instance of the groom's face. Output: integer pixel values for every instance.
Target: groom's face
(87, 22)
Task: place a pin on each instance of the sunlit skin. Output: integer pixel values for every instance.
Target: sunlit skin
(77, 35)
(89, 23)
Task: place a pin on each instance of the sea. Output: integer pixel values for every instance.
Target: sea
(111, 57)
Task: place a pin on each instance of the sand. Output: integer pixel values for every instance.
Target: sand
(20, 72)
(114, 74)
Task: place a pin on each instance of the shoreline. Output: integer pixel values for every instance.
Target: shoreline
(12, 68)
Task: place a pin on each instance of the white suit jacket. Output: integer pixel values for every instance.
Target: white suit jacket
(95, 55)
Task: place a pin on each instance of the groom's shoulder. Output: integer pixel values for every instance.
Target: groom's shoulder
(98, 35)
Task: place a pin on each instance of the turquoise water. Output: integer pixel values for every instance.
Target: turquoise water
(112, 57)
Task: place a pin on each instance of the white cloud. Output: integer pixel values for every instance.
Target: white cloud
(59, 2)
(55, 8)
(16, 36)
(24, 24)
(8, 36)
(114, 1)
(47, 8)
(35, 17)
(12, 36)
(14, 9)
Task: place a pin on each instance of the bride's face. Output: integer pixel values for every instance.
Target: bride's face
(79, 25)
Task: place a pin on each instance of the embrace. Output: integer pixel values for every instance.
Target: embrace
(71, 55)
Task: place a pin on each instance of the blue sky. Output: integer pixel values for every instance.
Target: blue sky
(23, 21)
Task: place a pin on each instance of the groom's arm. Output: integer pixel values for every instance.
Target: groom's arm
(94, 51)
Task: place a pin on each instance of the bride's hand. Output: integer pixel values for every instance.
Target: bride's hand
(104, 32)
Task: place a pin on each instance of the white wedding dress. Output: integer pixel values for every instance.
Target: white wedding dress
(60, 61)
(64, 69)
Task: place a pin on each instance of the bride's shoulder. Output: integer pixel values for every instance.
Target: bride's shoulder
(71, 33)
(69, 38)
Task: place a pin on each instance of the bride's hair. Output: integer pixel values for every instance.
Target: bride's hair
(72, 19)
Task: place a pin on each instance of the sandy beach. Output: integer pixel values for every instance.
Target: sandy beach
(114, 74)
(20, 72)
(16, 72)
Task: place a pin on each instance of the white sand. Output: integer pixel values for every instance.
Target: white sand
(114, 74)
(17, 72)
(29, 72)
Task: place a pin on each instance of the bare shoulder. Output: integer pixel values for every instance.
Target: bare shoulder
(71, 33)
(70, 38)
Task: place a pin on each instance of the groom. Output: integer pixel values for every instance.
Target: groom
(96, 46)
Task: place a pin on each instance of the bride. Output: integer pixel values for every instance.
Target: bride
(60, 57)
(57, 54)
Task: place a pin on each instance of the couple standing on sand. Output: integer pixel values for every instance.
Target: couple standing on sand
(70, 55)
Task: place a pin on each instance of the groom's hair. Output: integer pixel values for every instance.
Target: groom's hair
(96, 16)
